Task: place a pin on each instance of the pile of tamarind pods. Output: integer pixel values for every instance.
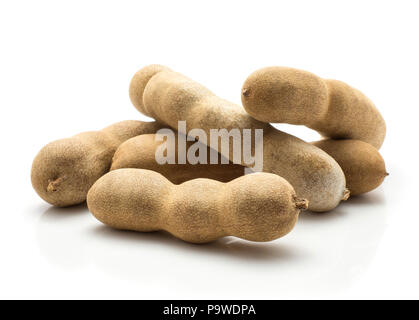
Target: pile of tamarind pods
(115, 169)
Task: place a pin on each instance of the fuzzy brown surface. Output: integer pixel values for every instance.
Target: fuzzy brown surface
(256, 207)
(140, 152)
(362, 164)
(170, 97)
(64, 170)
(333, 108)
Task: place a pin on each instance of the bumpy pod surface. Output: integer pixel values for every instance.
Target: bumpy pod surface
(331, 107)
(255, 207)
(64, 170)
(169, 97)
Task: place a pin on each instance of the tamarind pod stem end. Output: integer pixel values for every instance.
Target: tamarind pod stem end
(53, 185)
(246, 92)
(346, 195)
(301, 204)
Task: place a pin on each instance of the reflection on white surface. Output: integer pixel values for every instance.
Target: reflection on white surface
(61, 238)
(345, 240)
(324, 253)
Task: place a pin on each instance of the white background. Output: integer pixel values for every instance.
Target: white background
(65, 67)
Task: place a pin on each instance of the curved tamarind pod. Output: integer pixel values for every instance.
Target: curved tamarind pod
(255, 207)
(169, 97)
(64, 170)
(331, 107)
